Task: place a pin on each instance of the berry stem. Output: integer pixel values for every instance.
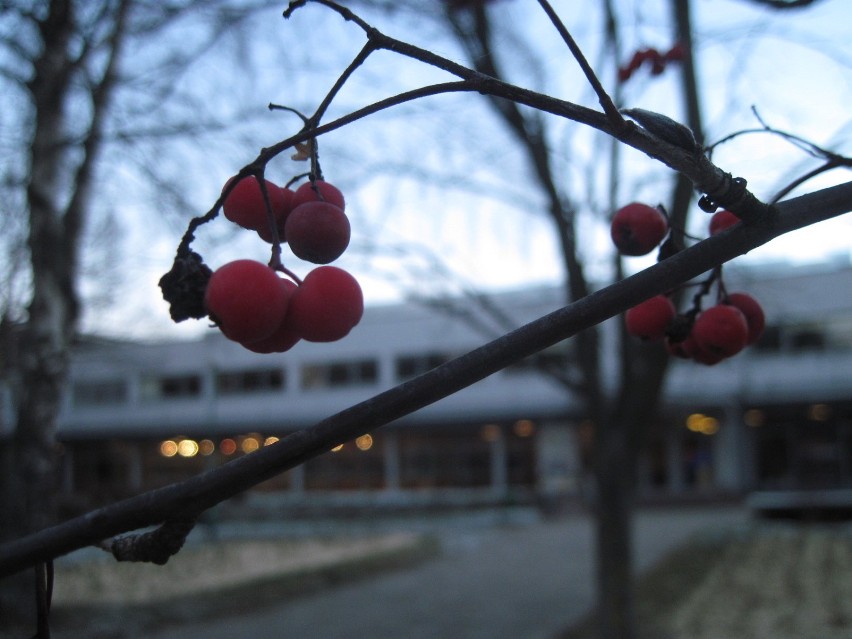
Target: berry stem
(283, 269)
(704, 289)
(270, 217)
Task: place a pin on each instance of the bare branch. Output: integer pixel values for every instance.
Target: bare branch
(190, 497)
(785, 4)
(101, 94)
(832, 164)
(603, 97)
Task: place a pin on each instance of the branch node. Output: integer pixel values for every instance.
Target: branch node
(156, 546)
(665, 128)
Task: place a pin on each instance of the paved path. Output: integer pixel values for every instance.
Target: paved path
(523, 581)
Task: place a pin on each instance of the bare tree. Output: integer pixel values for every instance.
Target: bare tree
(65, 64)
(623, 417)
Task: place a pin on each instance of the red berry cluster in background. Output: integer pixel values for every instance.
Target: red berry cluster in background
(721, 331)
(707, 336)
(269, 312)
(310, 219)
(653, 58)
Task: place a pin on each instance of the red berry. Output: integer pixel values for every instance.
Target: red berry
(327, 305)
(722, 220)
(317, 232)
(282, 338)
(685, 349)
(755, 318)
(265, 232)
(658, 62)
(706, 357)
(245, 205)
(651, 318)
(327, 193)
(721, 330)
(246, 300)
(677, 53)
(637, 228)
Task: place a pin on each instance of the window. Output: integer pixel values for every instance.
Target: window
(830, 334)
(839, 331)
(554, 358)
(409, 366)
(770, 340)
(251, 381)
(99, 392)
(808, 339)
(340, 374)
(172, 387)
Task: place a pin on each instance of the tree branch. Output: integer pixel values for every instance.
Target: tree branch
(185, 500)
(603, 97)
(785, 4)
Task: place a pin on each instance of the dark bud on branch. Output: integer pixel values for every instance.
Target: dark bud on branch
(184, 285)
(156, 546)
(665, 128)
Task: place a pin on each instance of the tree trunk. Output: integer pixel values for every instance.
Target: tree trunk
(56, 217)
(614, 474)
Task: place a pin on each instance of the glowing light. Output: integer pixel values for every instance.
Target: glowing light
(228, 446)
(364, 442)
(337, 448)
(819, 412)
(703, 424)
(524, 427)
(710, 426)
(206, 447)
(250, 444)
(272, 439)
(168, 448)
(187, 448)
(491, 432)
(754, 417)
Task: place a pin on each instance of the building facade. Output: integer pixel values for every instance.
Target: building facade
(777, 416)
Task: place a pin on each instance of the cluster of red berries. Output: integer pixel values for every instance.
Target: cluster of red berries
(709, 336)
(252, 303)
(657, 61)
(310, 219)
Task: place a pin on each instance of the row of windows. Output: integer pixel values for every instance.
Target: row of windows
(833, 335)
(340, 374)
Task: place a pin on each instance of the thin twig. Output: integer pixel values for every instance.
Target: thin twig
(828, 166)
(603, 97)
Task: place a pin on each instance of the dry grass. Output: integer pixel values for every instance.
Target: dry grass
(117, 600)
(777, 581)
(787, 583)
(212, 567)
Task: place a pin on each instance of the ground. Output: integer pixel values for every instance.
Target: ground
(778, 581)
(773, 579)
(216, 579)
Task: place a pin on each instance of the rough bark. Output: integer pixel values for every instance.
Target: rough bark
(56, 215)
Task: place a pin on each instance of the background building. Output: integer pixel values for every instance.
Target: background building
(777, 416)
